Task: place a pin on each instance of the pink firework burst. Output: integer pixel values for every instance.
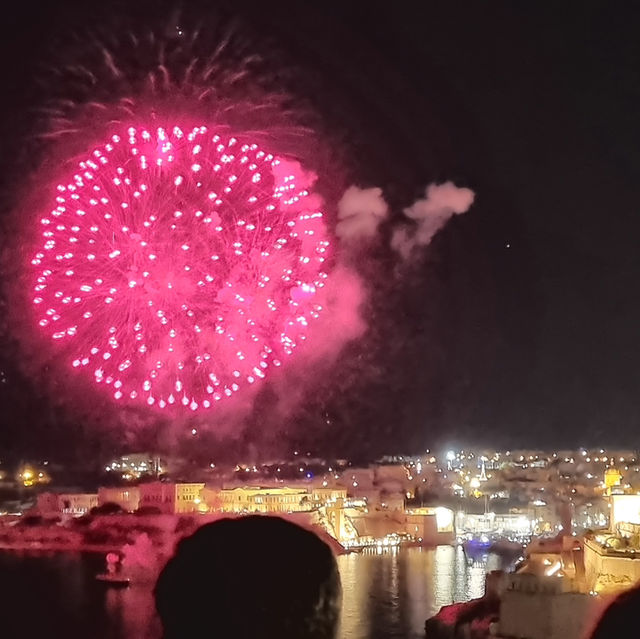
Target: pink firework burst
(177, 266)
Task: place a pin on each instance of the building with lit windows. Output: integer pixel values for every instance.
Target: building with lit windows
(322, 495)
(430, 526)
(264, 500)
(77, 503)
(172, 498)
(66, 503)
(127, 497)
(137, 465)
(612, 556)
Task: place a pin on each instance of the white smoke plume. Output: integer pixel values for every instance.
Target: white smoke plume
(441, 202)
(360, 212)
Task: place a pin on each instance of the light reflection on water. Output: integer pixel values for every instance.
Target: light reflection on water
(387, 593)
(133, 612)
(390, 593)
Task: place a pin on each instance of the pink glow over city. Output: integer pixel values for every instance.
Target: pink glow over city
(177, 266)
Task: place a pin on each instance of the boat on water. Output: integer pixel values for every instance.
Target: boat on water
(114, 581)
(480, 543)
(114, 577)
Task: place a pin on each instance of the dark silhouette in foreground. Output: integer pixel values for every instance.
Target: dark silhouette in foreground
(620, 618)
(254, 576)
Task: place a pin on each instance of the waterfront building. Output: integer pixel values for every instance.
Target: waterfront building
(251, 499)
(76, 504)
(322, 495)
(609, 563)
(335, 522)
(612, 556)
(275, 499)
(545, 607)
(127, 497)
(508, 524)
(173, 497)
(623, 509)
(430, 526)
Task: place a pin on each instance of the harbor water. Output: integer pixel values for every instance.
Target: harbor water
(387, 593)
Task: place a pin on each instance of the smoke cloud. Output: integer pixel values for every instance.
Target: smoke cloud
(360, 212)
(430, 214)
(342, 321)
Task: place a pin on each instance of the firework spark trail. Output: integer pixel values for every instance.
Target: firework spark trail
(179, 266)
(219, 74)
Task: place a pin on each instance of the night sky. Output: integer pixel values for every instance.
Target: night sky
(521, 324)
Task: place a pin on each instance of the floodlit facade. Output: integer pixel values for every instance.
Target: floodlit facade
(172, 498)
(327, 494)
(624, 509)
(519, 524)
(66, 503)
(608, 569)
(188, 498)
(77, 503)
(534, 607)
(431, 526)
(127, 497)
(264, 500)
(612, 556)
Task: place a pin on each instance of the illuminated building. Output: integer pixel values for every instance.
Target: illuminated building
(188, 498)
(73, 503)
(544, 607)
(137, 465)
(509, 524)
(612, 478)
(624, 509)
(609, 564)
(431, 526)
(127, 497)
(612, 556)
(336, 522)
(174, 498)
(265, 500)
(324, 495)
(77, 503)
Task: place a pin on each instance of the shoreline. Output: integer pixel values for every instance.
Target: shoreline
(58, 547)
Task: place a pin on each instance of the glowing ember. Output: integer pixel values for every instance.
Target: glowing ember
(177, 267)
